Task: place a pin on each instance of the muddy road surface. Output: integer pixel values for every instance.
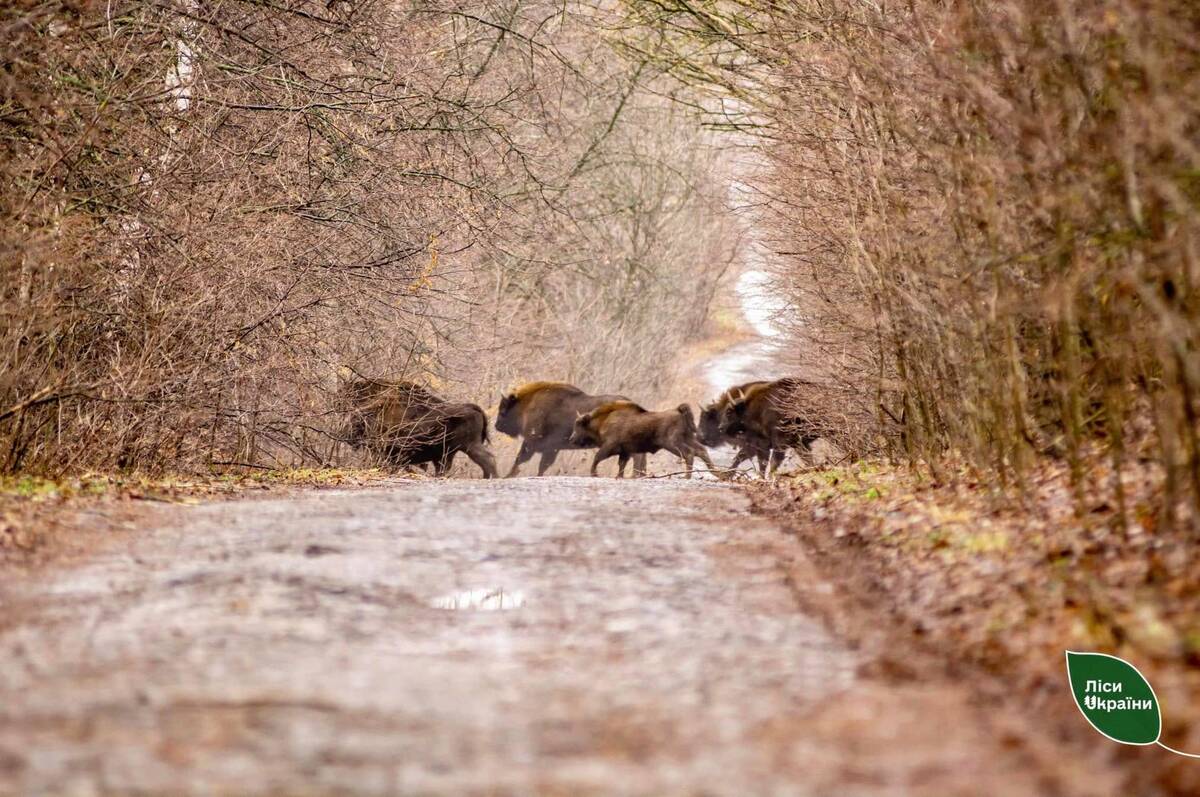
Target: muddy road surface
(529, 636)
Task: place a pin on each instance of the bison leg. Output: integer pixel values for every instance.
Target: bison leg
(602, 454)
(777, 455)
(442, 465)
(743, 453)
(547, 460)
(523, 456)
(395, 459)
(639, 465)
(684, 452)
(622, 460)
(482, 457)
(707, 460)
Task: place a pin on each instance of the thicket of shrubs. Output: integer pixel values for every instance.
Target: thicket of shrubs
(213, 211)
(987, 214)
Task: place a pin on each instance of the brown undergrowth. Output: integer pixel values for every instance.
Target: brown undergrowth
(1003, 585)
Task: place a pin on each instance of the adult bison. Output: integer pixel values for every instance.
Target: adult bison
(711, 417)
(542, 414)
(404, 423)
(764, 414)
(624, 429)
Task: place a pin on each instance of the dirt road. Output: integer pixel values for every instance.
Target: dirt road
(566, 635)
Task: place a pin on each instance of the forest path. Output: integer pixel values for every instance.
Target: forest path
(566, 635)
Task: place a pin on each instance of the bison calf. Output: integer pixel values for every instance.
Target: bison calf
(626, 430)
(542, 414)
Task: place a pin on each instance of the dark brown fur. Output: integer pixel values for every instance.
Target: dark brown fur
(542, 414)
(626, 430)
(363, 399)
(763, 414)
(712, 417)
(406, 424)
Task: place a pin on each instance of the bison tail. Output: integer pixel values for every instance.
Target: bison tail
(686, 411)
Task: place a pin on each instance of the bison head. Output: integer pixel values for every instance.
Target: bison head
(506, 420)
(734, 420)
(582, 434)
(710, 426)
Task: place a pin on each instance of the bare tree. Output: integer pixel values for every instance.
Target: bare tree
(218, 208)
(984, 214)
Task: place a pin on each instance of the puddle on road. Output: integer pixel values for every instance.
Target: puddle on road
(482, 600)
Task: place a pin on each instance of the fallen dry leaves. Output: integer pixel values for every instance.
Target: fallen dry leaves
(1009, 579)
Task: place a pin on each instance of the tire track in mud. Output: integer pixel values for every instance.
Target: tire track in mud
(567, 635)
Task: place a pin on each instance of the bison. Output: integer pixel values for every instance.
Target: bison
(406, 424)
(762, 413)
(542, 414)
(628, 430)
(710, 434)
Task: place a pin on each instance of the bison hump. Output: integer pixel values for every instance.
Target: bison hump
(529, 388)
(599, 414)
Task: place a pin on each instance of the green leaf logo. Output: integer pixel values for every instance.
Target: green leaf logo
(1114, 697)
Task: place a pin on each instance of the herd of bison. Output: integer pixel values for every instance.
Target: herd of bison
(404, 424)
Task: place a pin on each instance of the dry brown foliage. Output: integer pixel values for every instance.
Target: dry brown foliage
(214, 211)
(1008, 585)
(987, 214)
